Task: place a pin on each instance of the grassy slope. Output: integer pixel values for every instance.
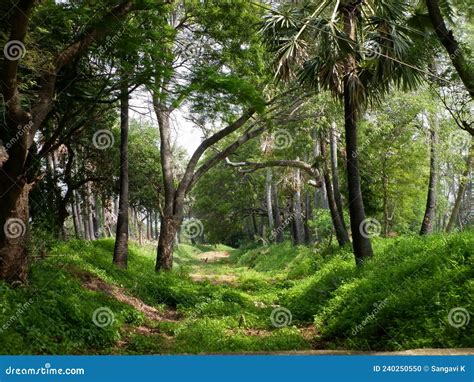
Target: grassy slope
(417, 281)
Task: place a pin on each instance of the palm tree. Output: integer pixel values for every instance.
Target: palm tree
(356, 50)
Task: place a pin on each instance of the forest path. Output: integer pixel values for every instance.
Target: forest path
(153, 316)
(151, 328)
(96, 284)
(213, 256)
(201, 271)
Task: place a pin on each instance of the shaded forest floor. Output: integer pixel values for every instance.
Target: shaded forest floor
(268, 299)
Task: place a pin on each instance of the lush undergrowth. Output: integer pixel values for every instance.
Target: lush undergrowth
(403, 298)
(400, 299)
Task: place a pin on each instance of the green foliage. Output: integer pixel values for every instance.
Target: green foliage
(400, 299)
(418, 280)
(213, 336)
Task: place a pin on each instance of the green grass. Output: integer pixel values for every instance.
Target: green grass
(400, 299)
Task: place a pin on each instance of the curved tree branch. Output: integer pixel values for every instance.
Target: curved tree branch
(446, 37)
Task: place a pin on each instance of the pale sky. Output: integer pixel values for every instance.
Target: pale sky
(185, 134)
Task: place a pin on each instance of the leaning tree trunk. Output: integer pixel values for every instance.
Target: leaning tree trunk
(341, 232)
(462, 189)
(430, 210)
(361, 241)
(121, 238)
(456, 54)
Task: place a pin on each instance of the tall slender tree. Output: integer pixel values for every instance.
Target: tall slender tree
(335, 171)
(120, 258)
(430, 210)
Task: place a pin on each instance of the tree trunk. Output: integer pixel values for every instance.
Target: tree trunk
(320, 195)
(14, 236)
(341, 233)
(297, 217)
(14, 211)
(166, 242)
(95, 217)
(157, 232)
(77, 207)
(462, 189)
(335, 172)
(140, 233)
(462, 65)
(254, 223)
(169, 221)
(308, 237)
(261, 226)
(150, 226)
(85, 215)
(268, 196)
(121, 238)
(90, 212)
(429, 218)
(361, 243)
(61, 216)
(74, 219)
(386, 219)
(280, 237)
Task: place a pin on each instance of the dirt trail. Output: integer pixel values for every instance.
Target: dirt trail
(213, 257)
(96, 284)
